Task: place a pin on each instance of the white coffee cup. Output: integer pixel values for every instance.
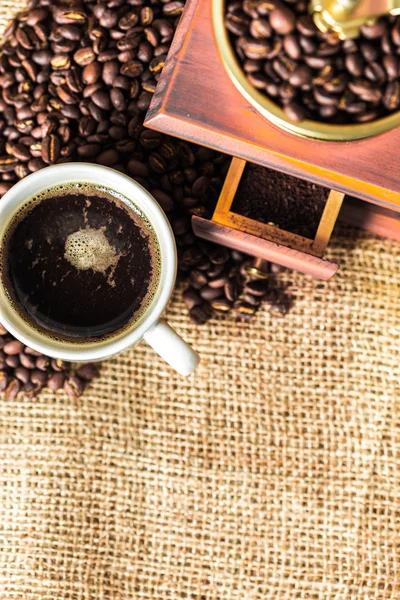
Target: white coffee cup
(150, 327)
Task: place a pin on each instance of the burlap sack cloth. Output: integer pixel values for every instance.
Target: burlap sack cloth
(272, 473)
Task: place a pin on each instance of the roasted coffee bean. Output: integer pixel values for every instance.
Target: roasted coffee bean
(230, 290)
(51, 148)
(56, 381)
(88, 372)
(133, 68)
(118, 99)
(282, 19)
(11, 391)
(69, 16)
(27, 361)
(22, 374)
(102, 100)
(12, 348)
(59, 365)
(365, 90)
(250, 299)
(42, 363)
(245, 310)
(30, 389)
(3, 380)
(200, 314)
(108, 158)
(38, 376)
(257, 287)
(12, 361)
(60, 61)
(18, 150)
(7, 163)
(391, 65)
(4, 187)
(209, 293)
(221, 305)
(391, 96)
(294, 111)
(84, 56)
(92, 73)
(73, 386)
(31, 351)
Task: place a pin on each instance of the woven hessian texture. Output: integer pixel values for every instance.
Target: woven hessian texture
(273, 473)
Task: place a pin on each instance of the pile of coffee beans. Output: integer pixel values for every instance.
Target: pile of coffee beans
(76, 79)
(314, 75)
(290, 203)
(23, 369)
(224, 281)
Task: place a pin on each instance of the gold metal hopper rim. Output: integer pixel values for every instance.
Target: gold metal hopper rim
(271, 111)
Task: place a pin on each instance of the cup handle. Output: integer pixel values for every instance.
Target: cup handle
(172, 348)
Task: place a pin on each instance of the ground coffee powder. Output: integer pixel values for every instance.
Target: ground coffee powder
(272, 197)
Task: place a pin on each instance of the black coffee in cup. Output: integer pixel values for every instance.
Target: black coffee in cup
(81, 262)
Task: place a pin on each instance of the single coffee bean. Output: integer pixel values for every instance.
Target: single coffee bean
(4, 187)
(3, 381)
(38, 376)
(88, 372)
(27, 361)
(110, 72)
(257, 287)
(292, 47)
(70, 32)
(36, 15)
(84, 56)
(221, 305)
(31, 390)
(18, 150)
(365, 90)
(373, 31)
(138, 169)
(7, 163)
(250, 299)
(42, 57)
(56, 381)
(125, 146)
(22, 374)
(391, 65)
(12, 389)
(108, 158)
(73, 386)
(200, 314)
(118, 99)
(294, 111)
(42, 363)
(92, 73)
(102, 100)
(14, 347)
(133, 68)
(12, 361)
(301, 75)
(31, 351)
(58, 365)
(391, 96)
(282, 19)
(51, 148)
(67, 16)
(60, 61)
(244, 310)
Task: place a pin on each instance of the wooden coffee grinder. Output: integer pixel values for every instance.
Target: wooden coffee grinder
(203, 97)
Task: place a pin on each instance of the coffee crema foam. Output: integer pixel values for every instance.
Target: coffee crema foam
(80, 263)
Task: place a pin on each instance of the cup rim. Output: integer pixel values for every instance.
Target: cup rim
(76, 172)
